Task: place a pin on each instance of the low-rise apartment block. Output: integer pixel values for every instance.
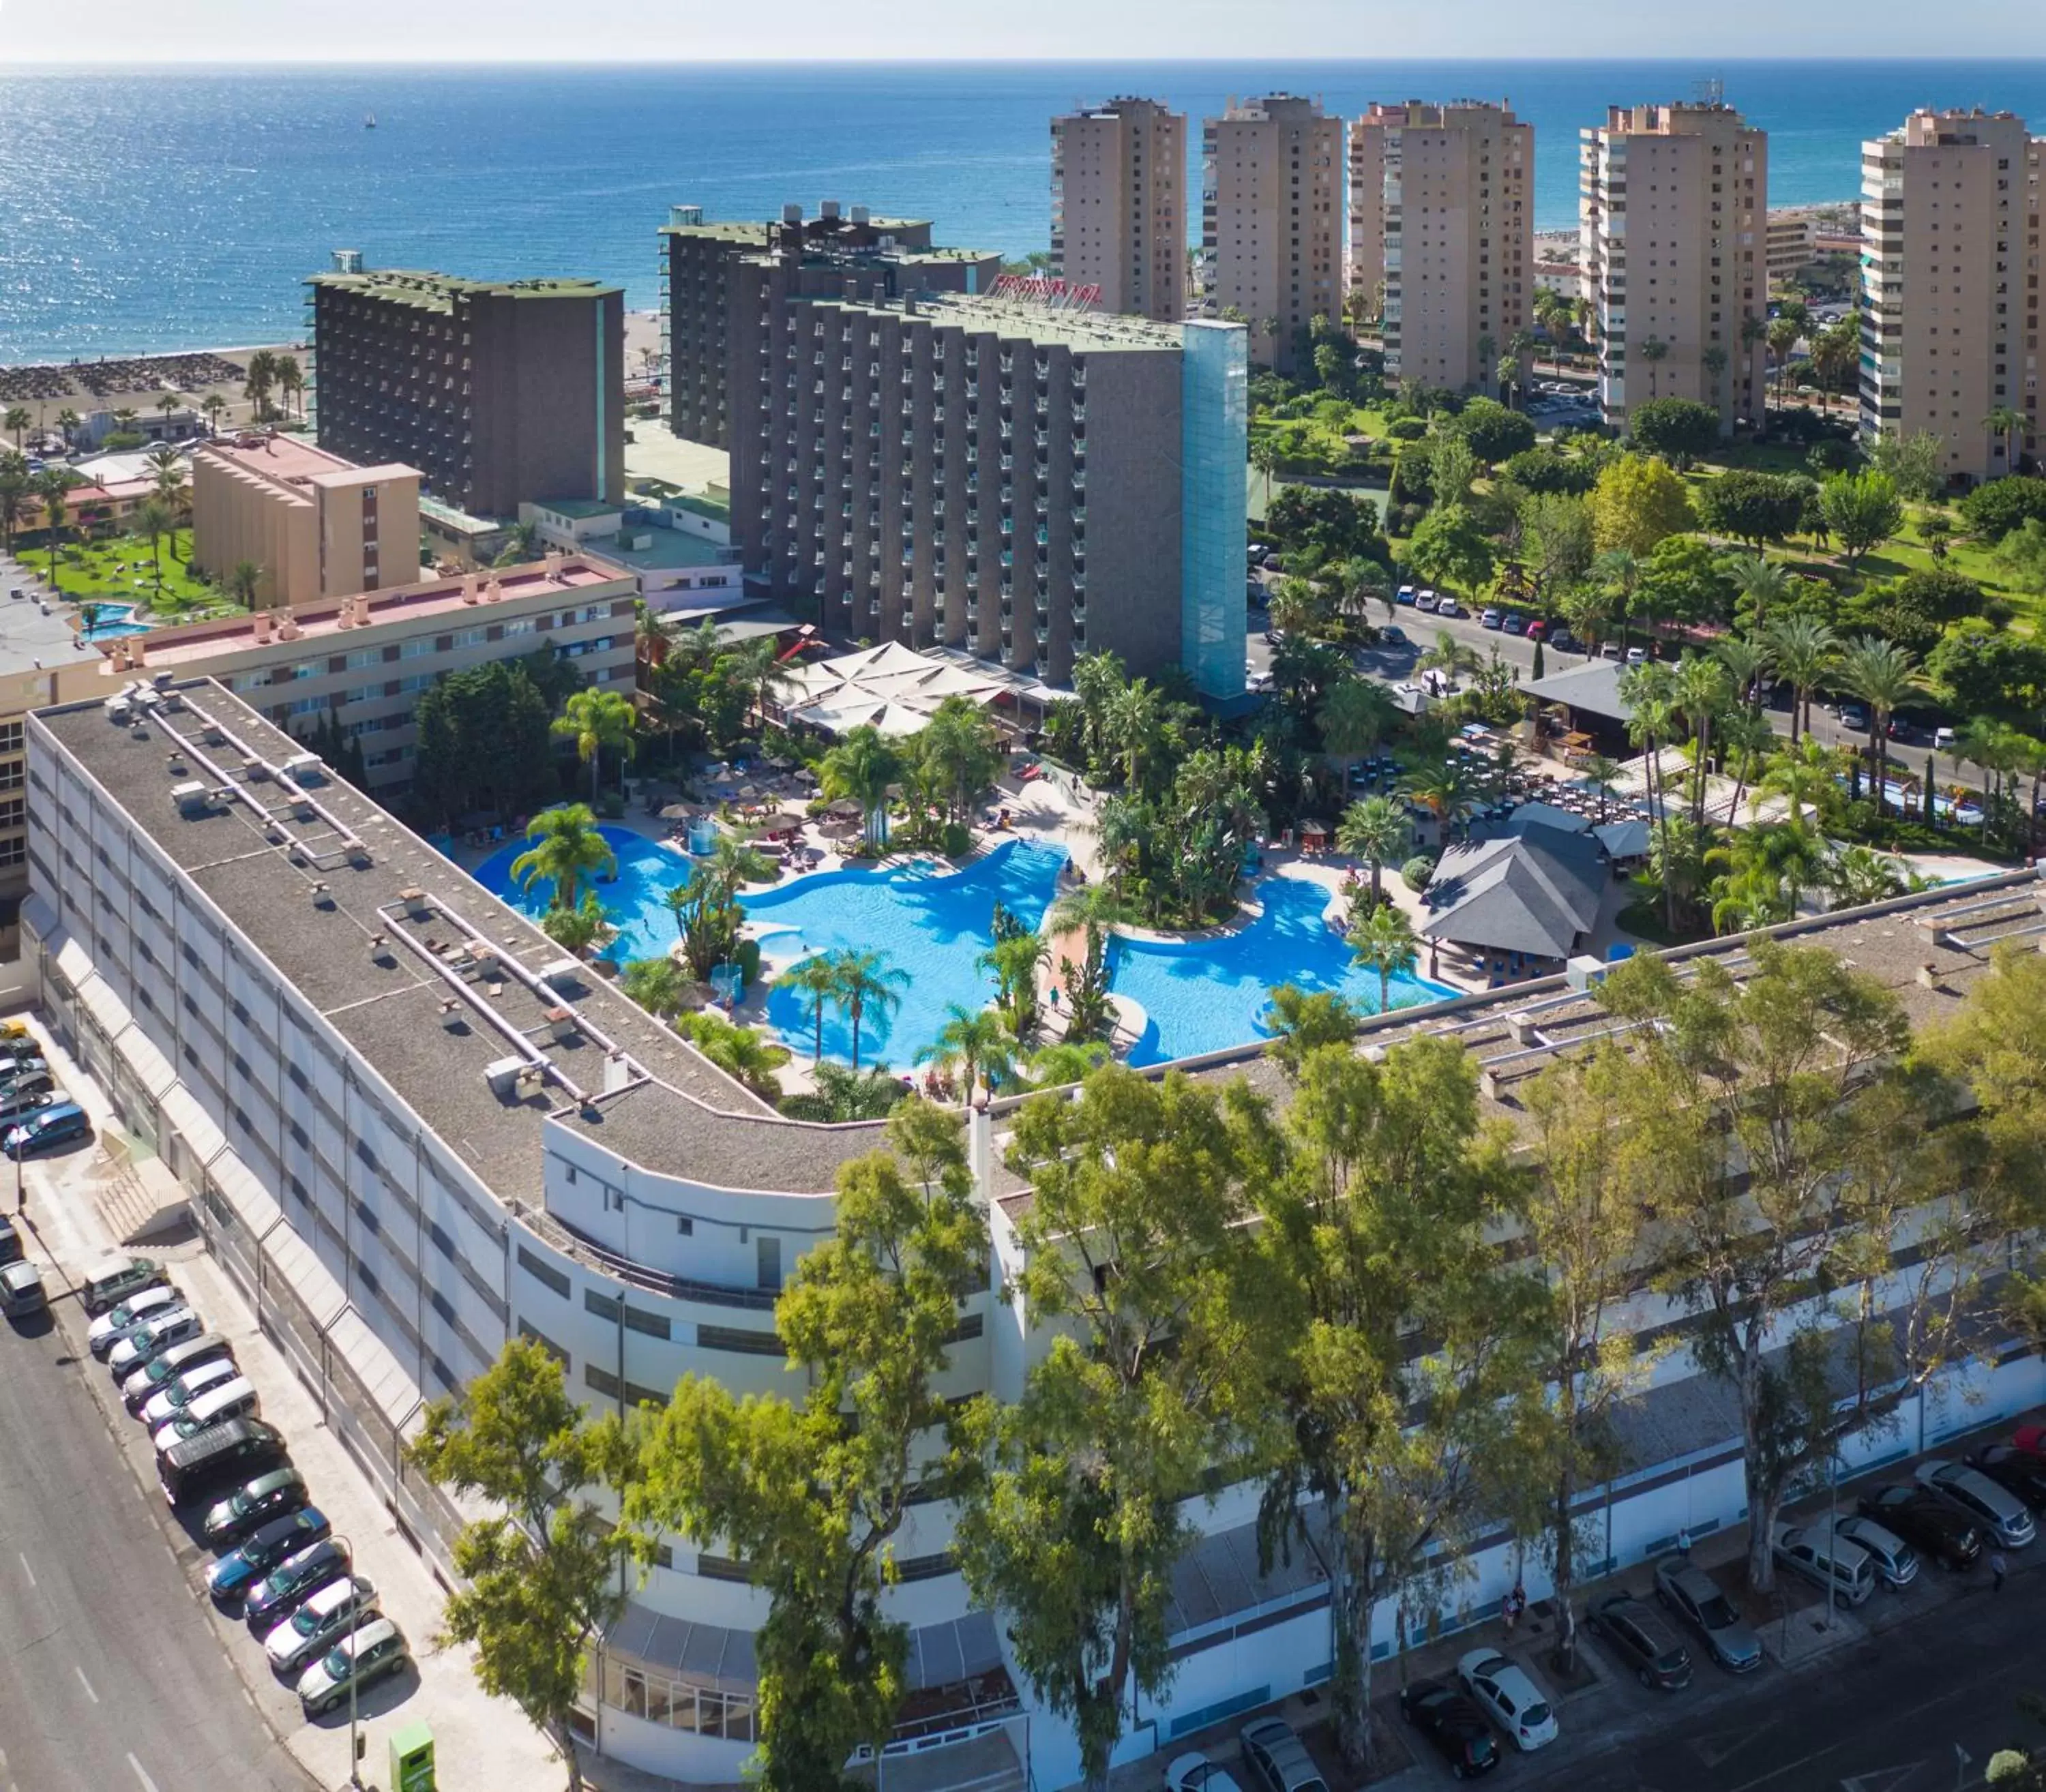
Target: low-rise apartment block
(498, 391)
(1272, 221)
(1443, 236)
(1791, 249)
(1673, 209)
(1119, 206)
(1950, 270)
(314, 525)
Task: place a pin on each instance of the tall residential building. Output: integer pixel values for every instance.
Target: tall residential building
(1950, 267)
(1272, 220)
(1673, 213)
(314, 525)
(1024, 482)
(697, 291)
(1442, 229)
(500, 393)
(1119, 206)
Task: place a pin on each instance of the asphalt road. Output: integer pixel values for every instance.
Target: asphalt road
(109, 1678)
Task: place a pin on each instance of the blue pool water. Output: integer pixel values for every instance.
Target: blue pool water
(112, 620)
(1208, 995)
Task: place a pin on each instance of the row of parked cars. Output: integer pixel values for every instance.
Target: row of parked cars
(35, 1113)
(1945, 1512)
(319, 1622)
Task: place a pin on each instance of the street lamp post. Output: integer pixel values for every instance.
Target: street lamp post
(354, 1679)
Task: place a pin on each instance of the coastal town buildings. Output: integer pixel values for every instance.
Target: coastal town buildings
(1791, 249)
(1950, 258)
(1673, 226)
(1273, 221)
(1443, 236)
(995, 473)
(1119, 205)
(312, 524)
(500, 393)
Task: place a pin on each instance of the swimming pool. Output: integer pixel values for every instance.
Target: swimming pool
(112, 620)
(1207, 995)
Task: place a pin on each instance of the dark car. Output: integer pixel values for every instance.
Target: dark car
(1641, 1637)
(1695, 1597)
(2017, 1471)
(1453, 1725)
(1929, 1525)
(240, 1569)
(285, 1588)
(1277, 1759)
(266, 1498)
(10, 1240)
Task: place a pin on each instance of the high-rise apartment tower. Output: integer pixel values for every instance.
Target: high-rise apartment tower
(1119, 206)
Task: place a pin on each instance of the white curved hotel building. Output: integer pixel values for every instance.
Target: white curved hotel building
(412, 1128)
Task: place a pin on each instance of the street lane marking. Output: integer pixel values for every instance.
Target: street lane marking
(84, 1682)
(148, 1785)
(25, 1568)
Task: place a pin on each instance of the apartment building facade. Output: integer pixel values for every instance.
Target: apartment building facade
(995, 474)
(1273, 221)
(1443, 237)
(315, 525)
(1672, 211)
(1949, 268)
(500, 393)
(1119, 206)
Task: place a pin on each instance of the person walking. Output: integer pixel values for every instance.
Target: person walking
(1684, 1544)
(1998, 1569)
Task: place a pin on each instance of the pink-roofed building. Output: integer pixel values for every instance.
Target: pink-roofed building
(317, 525)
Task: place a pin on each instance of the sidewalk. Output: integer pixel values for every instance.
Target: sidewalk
(480, 1741)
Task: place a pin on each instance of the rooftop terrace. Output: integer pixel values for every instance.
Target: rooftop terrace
(1091, 333)
(428, 291)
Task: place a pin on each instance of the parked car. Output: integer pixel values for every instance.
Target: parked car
(10, 1241)
(375, 1651)
(268, 1496)
(20, 1104)
(1942, 738)
(1277, 1759)
(112, 1281)
(2031, 1439)
(137, 1346)
(1510, 1698)
(137, 1311)
(227, 1453)
(1896, 1561)
(1491, 618)
(21, 1291)
(1515, 624)
(234, 1398)
(344, 1606)
(1637, 656)
(167, 1402)
(1404, 594)
(2017, 1471)
(20, 1083)
(293, 1581)
(1854, 716)
(1641, 1637)
(1453, 1724)
(1427, 600)
(1824, 1559)
(27, 1064)
(1538, 630)
(1449, 606)
(1925, 1520)
(269, 1544)
(164, 1368)
(1563, 641)
(1695, 1597)
(1392, 635)
(1999, 1511)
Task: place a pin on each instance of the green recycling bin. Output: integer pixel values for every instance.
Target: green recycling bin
(412, 1759)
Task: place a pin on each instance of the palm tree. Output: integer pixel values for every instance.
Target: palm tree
(1015, 962)
(1385, 942)
(861, 767)
(814, 980)
(976, 1044)
(68, 422)
(1448, 656)
(1765, 584)
(167, 402)
(53, 487)
(14, 500)
(1094, 908)
(1377, 832)
(154, 519)
(659, 985)
(1619, 570)
(959, 751)
(1768, 869)
(1264, 459)
(1653, 350)
(866, 981)
(596, 719)
(1136, 723)
(759, 666)
(1807, 776)
(1753, 336)
(1883, 675)
(17, 422)
(1803, 652)
(1746, 742)
(578, 929)
(213, 404)
(566, 847)
(1856, 876)
(1603, 774)
(290, 380)
(1783, 332)
(258, 378)
(1065, 1062)
(1745, 660)
(243, 581)
(1702, 691)
(2004, 421)
(1446, 792)
(1354, 719)
(740, 1052)
(1714, 362)
(521, 544)
(1676, 863)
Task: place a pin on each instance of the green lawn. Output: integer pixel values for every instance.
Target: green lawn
(120, 569)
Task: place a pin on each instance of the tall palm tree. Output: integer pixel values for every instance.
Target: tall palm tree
(1603, 774)
(244, 580)
(759, 666)
(1136, 723)
(866, 984)
(67, 423)
(1745, 660)
(565, 847)
(2006, 422)
(1676, 863)
(258, 378)
(814, 980)
(1385, 942)
(1746, 741)
(17, 422)
(1446, 792)
(53, 487)
(659, 985)
(1094, 908)
(290, 380)
(1883, 675)
(1448, 656)
(521, 544)
(14, 499)
(1015, 962)
(1713, 363)
(1803, 652)
(154, 519)
(1807, 776)
(213, 404)
(1619, 570)
(1654, 351)
(1767, 869)
(861, 767)
(1702, 692)
(167, 402)
(1265, 460)
(1753, 337)
(1766, 585)
(1377, 832)
(596, 720)
(977, 1045)
(959, 749)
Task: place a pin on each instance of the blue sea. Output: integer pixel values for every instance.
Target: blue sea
(180, 208)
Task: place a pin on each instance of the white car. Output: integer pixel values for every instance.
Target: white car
(376, 1650)
(1196, 1773)
(99, 1336)
(1510, 1698)
(337, 1609)
(1896, 1561)
(162, 1407)
(165, 1329)
(1825, 1560)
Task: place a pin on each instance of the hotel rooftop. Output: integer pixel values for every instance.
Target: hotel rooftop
(428, 291)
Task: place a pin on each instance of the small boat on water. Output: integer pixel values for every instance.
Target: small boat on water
(369, 121)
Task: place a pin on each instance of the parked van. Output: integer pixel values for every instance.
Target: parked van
(235, 1398)
(1825, 1560)
(226, 1453)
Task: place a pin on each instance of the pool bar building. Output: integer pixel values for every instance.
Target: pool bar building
(411, 1128)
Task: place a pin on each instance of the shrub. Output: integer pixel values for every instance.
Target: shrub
(747, 958)
(1407, 429)
(1991, 512)
(1416, 872)
(1679, 430)
(958, 841)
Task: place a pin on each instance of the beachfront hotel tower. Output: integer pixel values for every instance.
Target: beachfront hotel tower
(1950, 258)
(1443, 236)
(1119, 206)
(1673, 223)
(1272, 221)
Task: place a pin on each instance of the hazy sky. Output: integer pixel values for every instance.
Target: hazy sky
(680, 30)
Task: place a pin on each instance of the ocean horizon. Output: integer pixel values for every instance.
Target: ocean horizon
(181, 206)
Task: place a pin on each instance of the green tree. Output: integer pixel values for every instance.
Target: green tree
(960, 752)
(485, 742)
(565, 847)
(245, 580)
(154, 519)
(2006, 424)
(1383, 942)
(1759, 509)
(1678, 429)
(1015, 962)
(1377, 830)
(1493, 432)
(522, 544)
(1916, 464)
(1992, 510)
(1883, 677)
(1702, 693)
(1094, 909)
(740, 1052)
(1301, 1023)
(866, 984)
(53, 487)
(1803, 651)
(1066, 1524)
(814, 980)
(975, 1044)
(17, 422)
(1354, 717)
(861, 768)
(598, 722)
(2021, 554)
(1653, 350)
(578, 929)
(538, 1582)
(1637, 502)
(657, 985)
(841, 1094)
(1862, 510)
(1684, 581)
(1448, 548)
